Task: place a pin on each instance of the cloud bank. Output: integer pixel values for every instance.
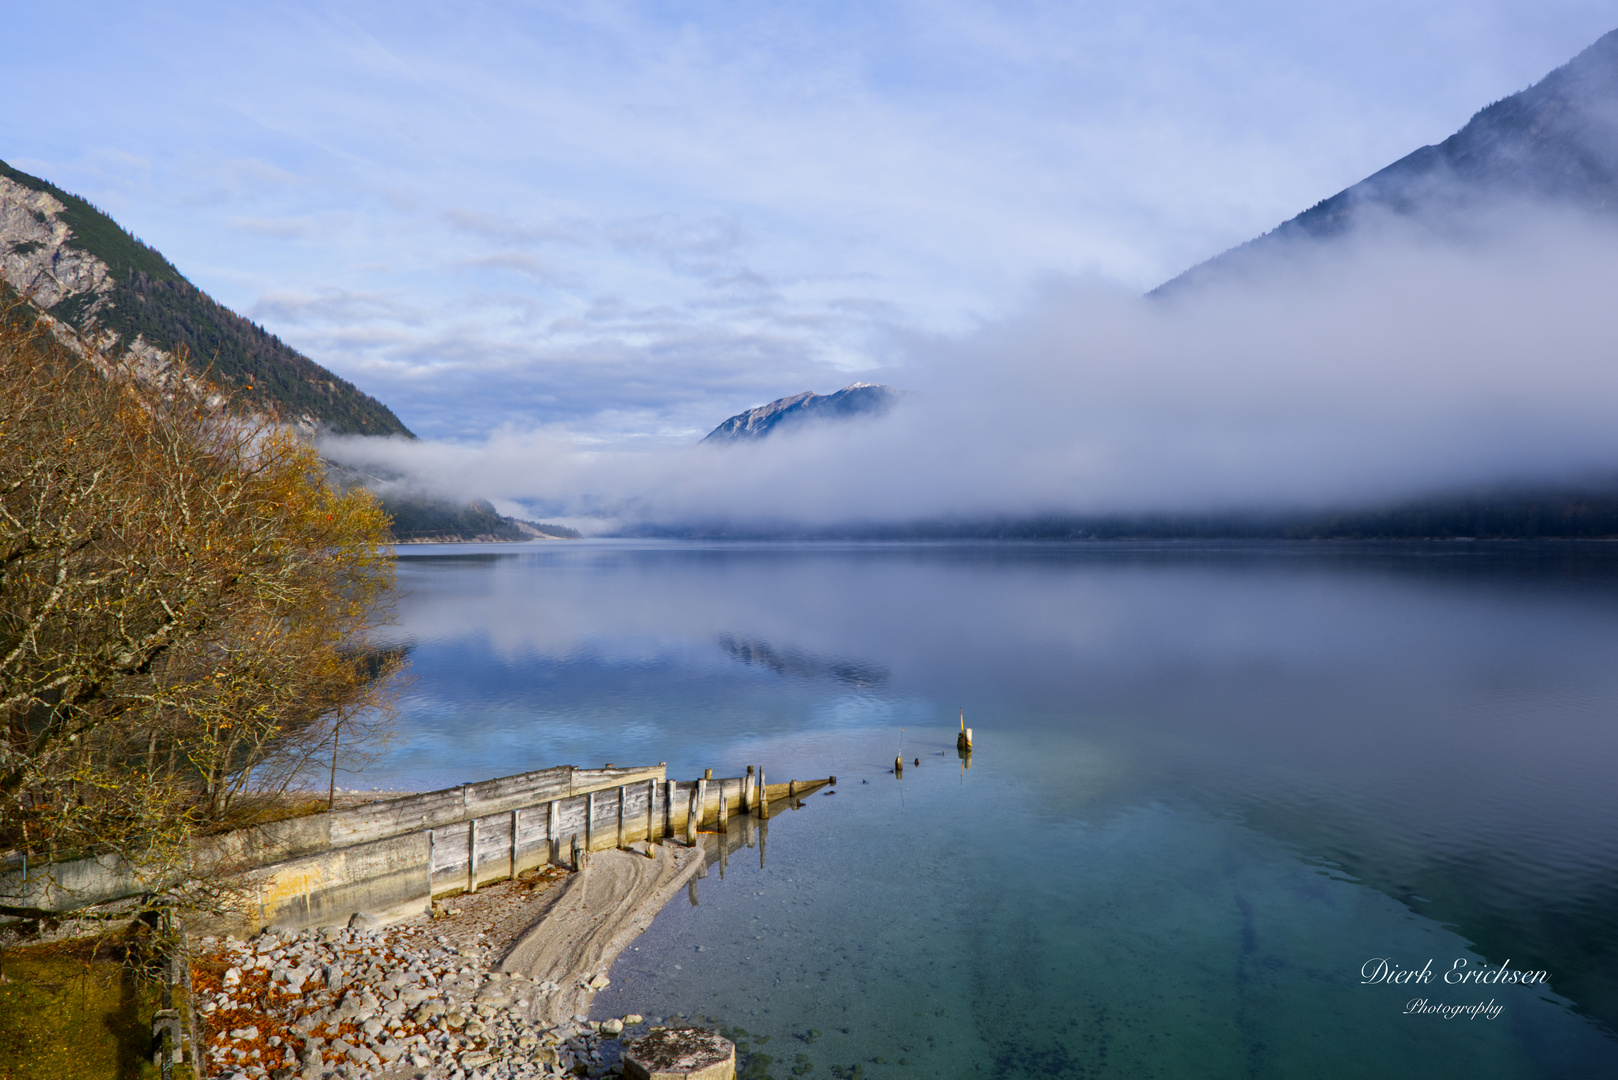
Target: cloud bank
(1393, 364)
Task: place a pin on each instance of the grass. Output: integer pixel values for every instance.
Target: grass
(76, 1011)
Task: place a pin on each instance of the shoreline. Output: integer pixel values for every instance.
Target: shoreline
(494, 984)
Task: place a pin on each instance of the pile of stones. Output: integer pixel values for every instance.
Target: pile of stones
(401, 1002)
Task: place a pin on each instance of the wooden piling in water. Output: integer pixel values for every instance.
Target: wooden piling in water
(763, 796)
(668, 810)
(724, 808)
(747, 791)
(691, 815)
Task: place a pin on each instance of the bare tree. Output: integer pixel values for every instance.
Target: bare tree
(186, 606)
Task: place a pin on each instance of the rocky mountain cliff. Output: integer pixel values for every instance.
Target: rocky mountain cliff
(80, 267)
(860, 399)
(1556, 143)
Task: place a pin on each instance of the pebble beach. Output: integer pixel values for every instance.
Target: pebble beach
(433, 996)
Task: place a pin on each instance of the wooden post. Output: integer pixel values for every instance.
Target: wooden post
(724, 808)
(763, 796)
(747, 790)
(898, 766)
(432, 845)
(553, 830)
(590, 821)
(516, 823)
(692, 818)
(792, 791)
(578, 858)
(622, 795)
(668, 809)
(651, 808)
(472, 856)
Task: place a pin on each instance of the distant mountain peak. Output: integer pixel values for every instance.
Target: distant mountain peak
(855, 400)
(1555, 142)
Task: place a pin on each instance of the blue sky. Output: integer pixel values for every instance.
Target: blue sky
(620, 223)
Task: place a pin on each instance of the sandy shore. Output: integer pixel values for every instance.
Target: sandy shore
(592, 918)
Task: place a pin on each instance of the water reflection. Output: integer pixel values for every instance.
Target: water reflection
(1431, 724)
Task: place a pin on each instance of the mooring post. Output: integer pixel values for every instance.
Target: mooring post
(898, 766)
(516, 823)
(553, 832)
(621, 797)
(763, 796)
(472, 856)
(432, 845)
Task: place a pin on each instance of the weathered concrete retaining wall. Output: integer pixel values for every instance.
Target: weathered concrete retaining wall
(389, 858)
(66, 886)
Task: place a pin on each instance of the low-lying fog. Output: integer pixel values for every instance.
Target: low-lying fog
(1390, 364)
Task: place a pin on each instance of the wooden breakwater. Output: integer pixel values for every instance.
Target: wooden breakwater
(389, 858)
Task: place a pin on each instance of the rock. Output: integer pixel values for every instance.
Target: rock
(362, 920)
(632, 1019)
(600, 982)
(233, 976)
(612, 1027)
(680, 1054)
(476, 1059)
(245, 1033)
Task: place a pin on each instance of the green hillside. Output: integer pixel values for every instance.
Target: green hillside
(150, 298)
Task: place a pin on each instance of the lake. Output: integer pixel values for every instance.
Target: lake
(1219, 792)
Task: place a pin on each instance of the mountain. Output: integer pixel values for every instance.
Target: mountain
(860, 399)
(82, 268)
(1556, 142)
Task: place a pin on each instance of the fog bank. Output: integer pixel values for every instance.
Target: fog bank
(1392, 364)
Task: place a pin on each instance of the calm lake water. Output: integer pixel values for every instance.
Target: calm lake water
(1212, 785)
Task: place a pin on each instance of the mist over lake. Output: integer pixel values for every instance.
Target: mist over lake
(1211, 783)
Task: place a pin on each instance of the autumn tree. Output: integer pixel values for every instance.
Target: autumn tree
(186, 606)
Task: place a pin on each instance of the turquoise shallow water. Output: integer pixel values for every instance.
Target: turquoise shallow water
(1211, 783)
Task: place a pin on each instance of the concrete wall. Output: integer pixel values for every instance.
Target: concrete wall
(357, 844)
(389, 858)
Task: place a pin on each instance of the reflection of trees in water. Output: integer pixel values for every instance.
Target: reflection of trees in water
(803, 665)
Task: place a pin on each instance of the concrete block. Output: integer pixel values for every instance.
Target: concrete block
(680, 1054)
